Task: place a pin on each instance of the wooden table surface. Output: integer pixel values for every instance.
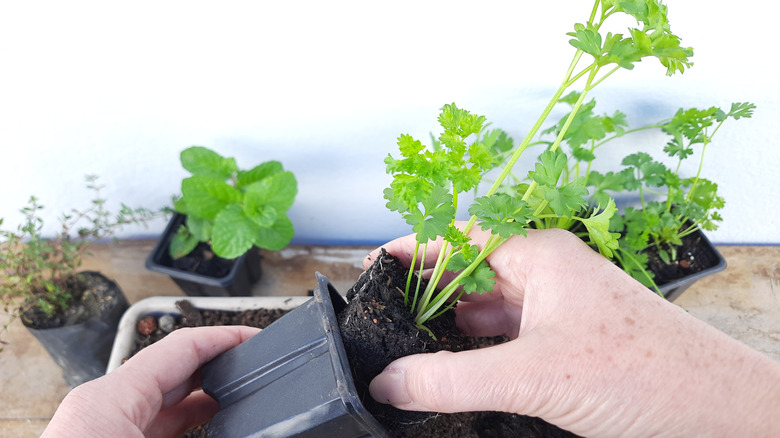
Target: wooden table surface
(743, 301)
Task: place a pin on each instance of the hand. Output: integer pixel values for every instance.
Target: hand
(152, 393)
(592, 351)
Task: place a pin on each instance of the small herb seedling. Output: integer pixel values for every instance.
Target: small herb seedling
(681, 205)
(427, 184)
(233, 209)
(39, 271)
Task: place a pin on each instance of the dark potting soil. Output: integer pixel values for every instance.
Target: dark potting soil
(203, 261)
(152, 328)
(92, 292)
(692, 257)
(377, 328)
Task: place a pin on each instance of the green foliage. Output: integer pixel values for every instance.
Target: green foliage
(233, 209)
(653, 39)
(426, 186)
(679, 205)
(427, 182)
(39, 270)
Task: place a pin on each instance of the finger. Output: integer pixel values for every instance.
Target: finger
(186, 350)
(403, 249)
(488, 318)
(194, 410)
(168, 366)
(488, 379)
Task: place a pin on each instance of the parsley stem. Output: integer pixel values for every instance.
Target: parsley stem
(411, 272)
(427, 311)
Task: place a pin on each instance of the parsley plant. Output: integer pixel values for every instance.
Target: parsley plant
(427, 183)
(683, 205)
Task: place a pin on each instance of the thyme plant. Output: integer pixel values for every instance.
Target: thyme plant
(39, 271)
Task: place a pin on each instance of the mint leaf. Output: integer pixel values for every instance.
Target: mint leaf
(233, 233)
(182, 243)
(277, 191)
(206, 196)
(202, 161)
(258, 173)
(277, 236)
(199, 228)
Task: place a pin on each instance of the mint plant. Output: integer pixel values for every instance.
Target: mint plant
(233, 209)
(40, 272)
(427, 184)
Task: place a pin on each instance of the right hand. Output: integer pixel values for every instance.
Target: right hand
(592, 351)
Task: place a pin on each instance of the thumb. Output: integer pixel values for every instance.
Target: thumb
(488, 379)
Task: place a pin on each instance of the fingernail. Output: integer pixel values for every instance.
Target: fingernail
(390, 387)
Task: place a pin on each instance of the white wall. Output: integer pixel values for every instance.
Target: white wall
(326, 87)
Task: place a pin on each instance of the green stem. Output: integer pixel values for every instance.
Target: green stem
(411, 273)
(426, 312)
(537, 125)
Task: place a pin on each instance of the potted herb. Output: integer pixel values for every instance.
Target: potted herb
(662, 244)
(223, 216)
(395, 306)
(73, 314)
(671, 209)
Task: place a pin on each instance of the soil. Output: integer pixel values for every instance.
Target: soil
(203, 261)
(92, 292)
(377, 328)
(692, 257)
(152, 328)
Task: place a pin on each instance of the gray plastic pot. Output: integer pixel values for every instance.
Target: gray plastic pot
(291, 379)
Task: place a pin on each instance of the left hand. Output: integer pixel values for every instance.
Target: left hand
(154, 394)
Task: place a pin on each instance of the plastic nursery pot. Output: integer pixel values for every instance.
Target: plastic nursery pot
(83, 350)
(238, 281)
(675, 288)
(124, 343)
(291, 379)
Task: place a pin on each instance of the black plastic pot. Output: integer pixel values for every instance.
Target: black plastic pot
(673, 289)
(82, 350)
(291, 379)
(245, 271)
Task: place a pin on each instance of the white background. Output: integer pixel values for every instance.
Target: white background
(119, 89)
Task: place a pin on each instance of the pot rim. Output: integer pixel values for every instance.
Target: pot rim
(123, 343)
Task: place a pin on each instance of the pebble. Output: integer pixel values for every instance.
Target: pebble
(166, 323)
(146, 325)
